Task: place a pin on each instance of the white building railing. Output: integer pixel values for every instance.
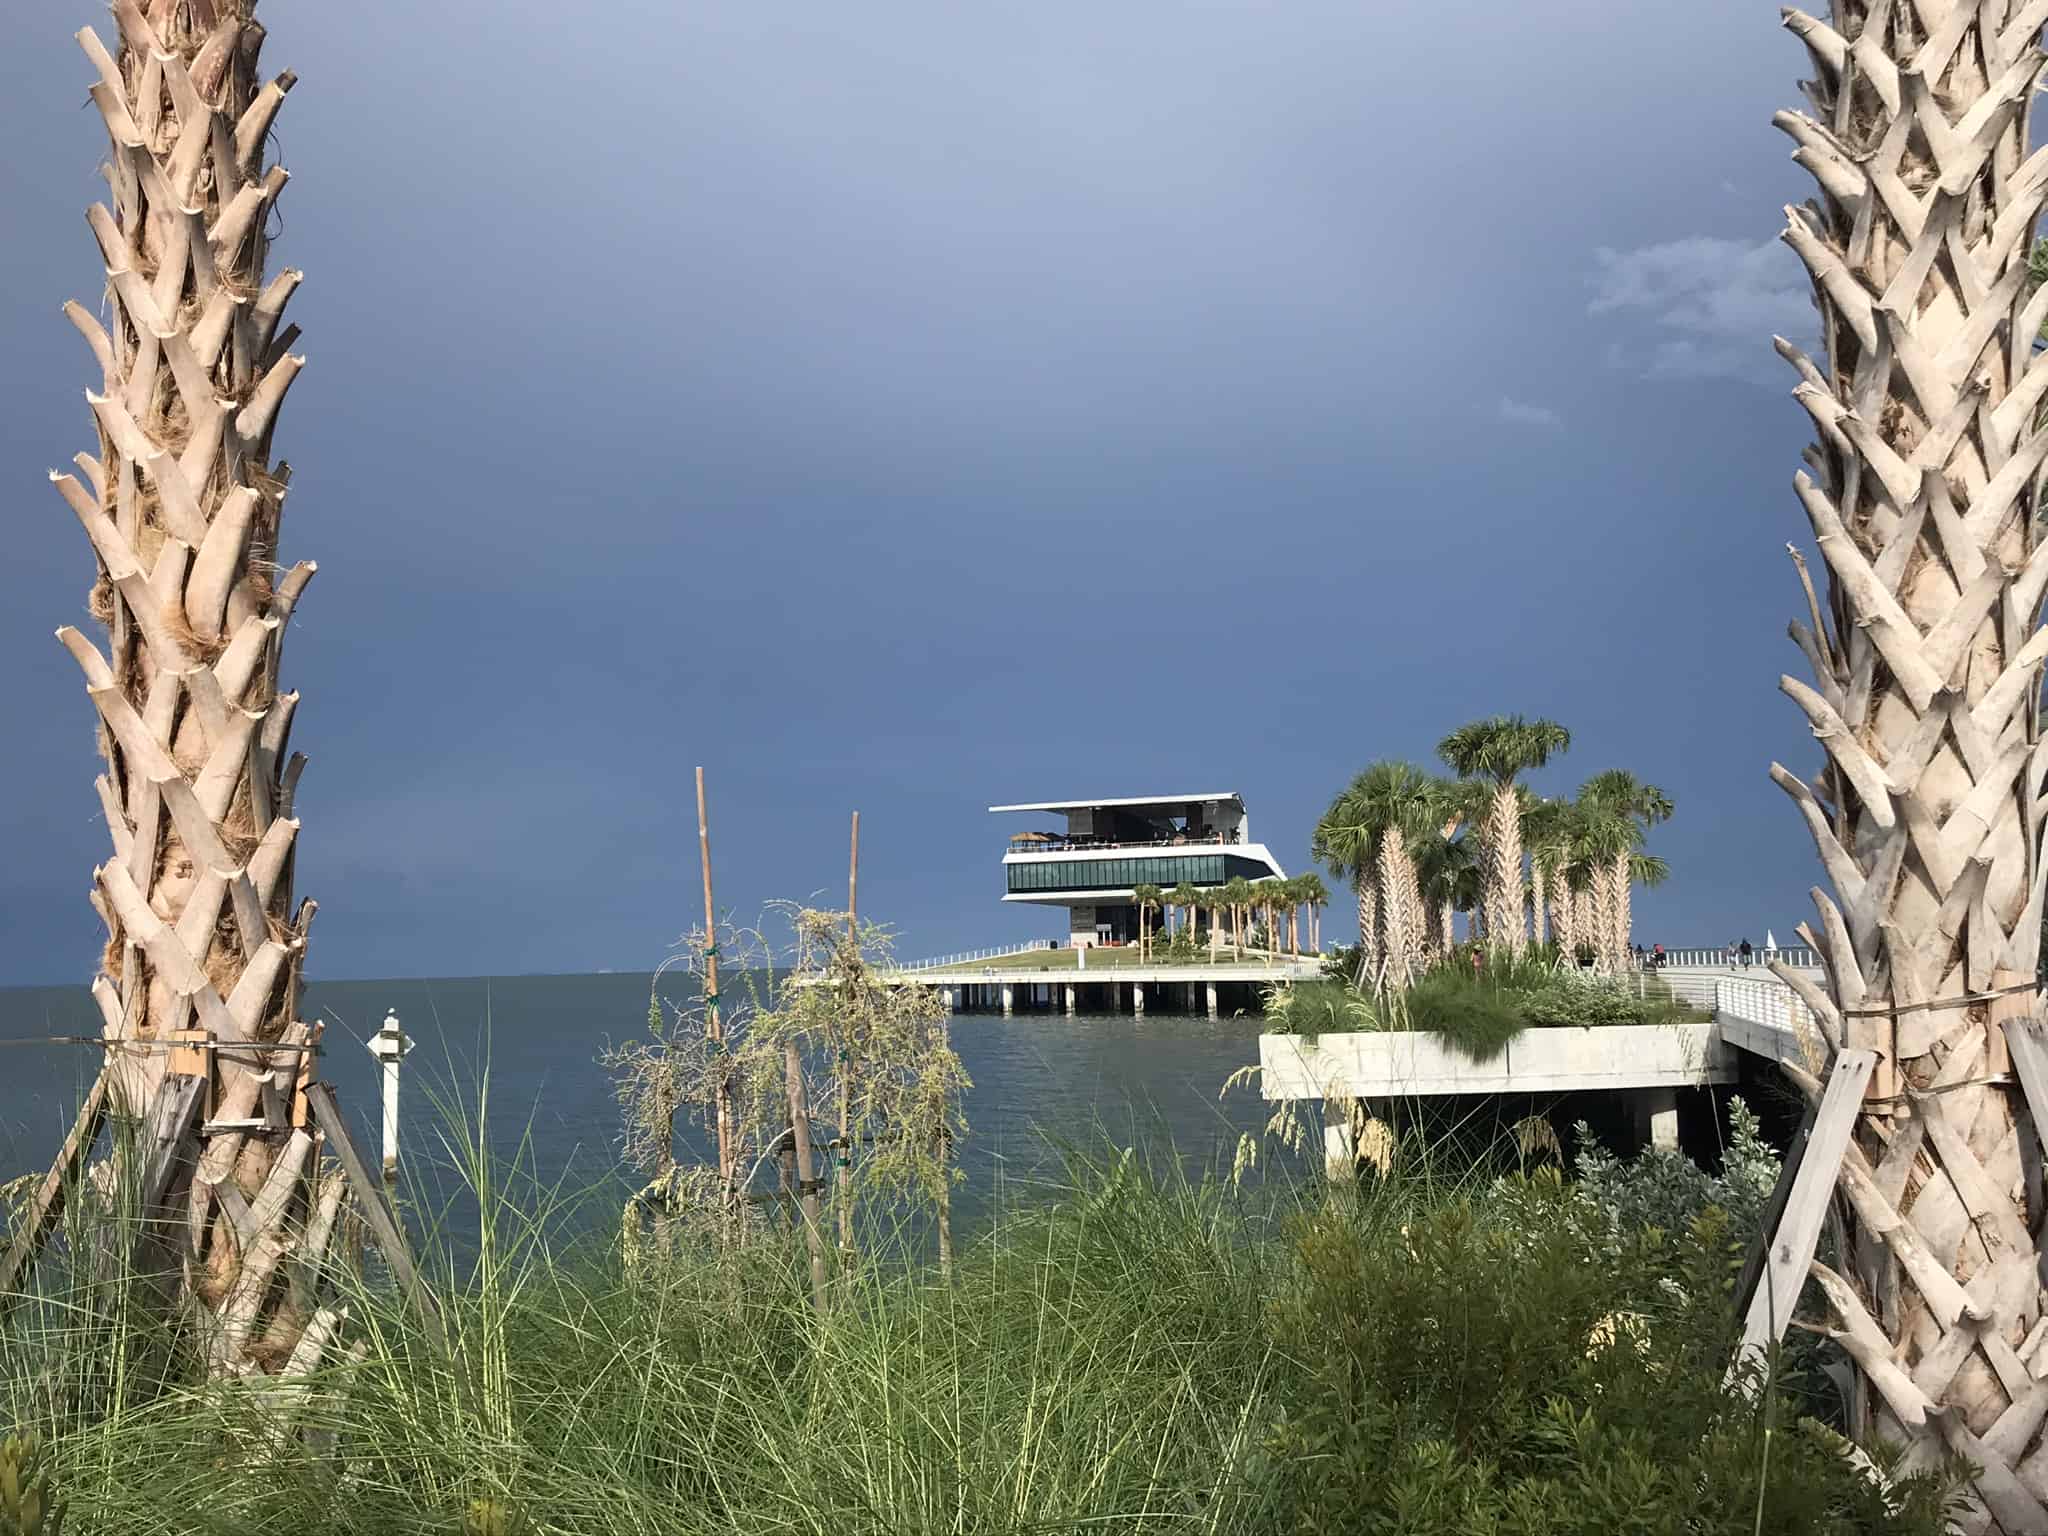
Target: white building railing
(1796, 955)
(1768, 1017)
(967, 956)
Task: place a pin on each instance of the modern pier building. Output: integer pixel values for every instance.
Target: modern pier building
(1093, 864)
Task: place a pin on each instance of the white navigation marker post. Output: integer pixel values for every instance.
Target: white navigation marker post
(390, 1045)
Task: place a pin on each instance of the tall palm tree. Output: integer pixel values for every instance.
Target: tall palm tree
(1315, 896)
(1384, 811)
(1185, 897)
(181, 502)
(1546, 830)
(1641, 806)
(1237, 895)
(1499, 749)
(1346, 843)
(1926, 659)
(1148, 898)
(1449, 870)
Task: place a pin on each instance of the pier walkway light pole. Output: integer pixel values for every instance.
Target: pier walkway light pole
(390, 1046)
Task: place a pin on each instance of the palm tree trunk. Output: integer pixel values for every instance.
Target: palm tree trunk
(1618, 885)
(182, 506)
(1401, 911)
(1926, 661)
(1538, 896)
(1371, 951)
(1600, 919)
(1503, 845)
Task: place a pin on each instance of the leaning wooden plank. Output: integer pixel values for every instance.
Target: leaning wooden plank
(1774, 1211)
(1798, 1232)
(376, 1209)
(2027, 1042)
(170, 1151)
(48, 1205)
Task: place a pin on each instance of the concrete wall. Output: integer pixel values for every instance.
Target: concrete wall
(1081, 927)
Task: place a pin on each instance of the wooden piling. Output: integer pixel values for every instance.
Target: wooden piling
(843, 1181)
(714, 1018)
(806, 1170)
(48, 1205)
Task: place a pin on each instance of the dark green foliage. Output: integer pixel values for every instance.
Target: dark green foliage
(1472, 1367)
(1434, 1354)
(1319, 1008)
(1480, 1007)
(29, 1503)
(1476, 1017)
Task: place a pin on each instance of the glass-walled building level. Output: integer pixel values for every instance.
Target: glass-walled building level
(1100, 851)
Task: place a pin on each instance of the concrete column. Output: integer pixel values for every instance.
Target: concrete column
(1070, 1000)
(1658, 1109)
(1009, 1000)
(1138, 998)
(1212, 998)
(1340, 1148)
(951, 1006)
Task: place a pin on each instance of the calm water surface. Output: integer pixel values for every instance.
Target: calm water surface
(1038, 1078)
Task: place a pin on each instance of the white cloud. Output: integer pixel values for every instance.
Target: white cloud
(1702, 307)
(1524, 415)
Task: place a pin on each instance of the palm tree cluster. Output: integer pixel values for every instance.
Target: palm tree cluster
(1231, 909)
(1419, 848)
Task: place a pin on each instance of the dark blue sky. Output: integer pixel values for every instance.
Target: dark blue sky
(917, 406)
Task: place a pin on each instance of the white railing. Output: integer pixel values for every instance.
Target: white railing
(968, 956)
(1761, 1002)
(1795, 955)
(1769, 1018)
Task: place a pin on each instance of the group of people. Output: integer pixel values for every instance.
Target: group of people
(1740, 953)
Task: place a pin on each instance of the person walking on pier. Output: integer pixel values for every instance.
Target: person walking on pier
(1746, 952)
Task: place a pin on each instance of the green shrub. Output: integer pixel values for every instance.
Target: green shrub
(1126, 1351)
(1319, 1008)
(1476, 1018)
(1471, 1370)
(29, 1504)
(1665, 1189)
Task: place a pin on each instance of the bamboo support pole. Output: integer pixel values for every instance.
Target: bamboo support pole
(48, 1206)
(714, 1018)
(806, 1170)
(843, 1183)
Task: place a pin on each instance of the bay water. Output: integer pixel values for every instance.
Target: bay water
(1043, 1082)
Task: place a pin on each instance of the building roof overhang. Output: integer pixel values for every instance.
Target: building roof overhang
(1223, 797)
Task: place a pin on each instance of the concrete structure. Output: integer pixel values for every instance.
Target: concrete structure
(1232, 987)
(1092, 865)
(1754, 1015)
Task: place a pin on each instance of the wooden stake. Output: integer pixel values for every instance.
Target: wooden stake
(945, 1198)
(1789, 1247)
(169, 1153)
(843, 1182)
(376, 1209)
(714, 1018)
(853, 884)
(48, 1205)
(806, 1170)
(2014, 1005)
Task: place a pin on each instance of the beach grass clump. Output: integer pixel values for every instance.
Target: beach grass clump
(1480, 1005)
(1438, 1350)
(1476, 1015)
